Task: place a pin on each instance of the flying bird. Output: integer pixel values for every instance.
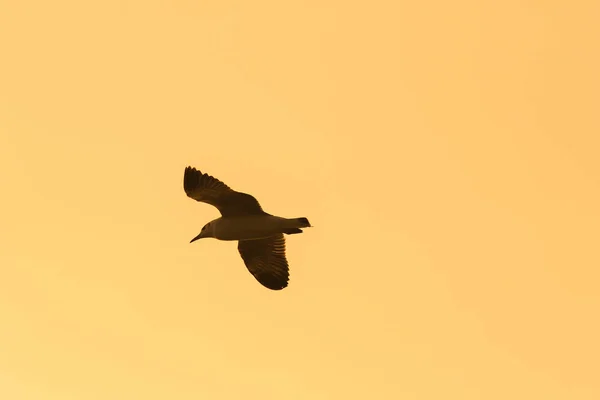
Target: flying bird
(261, 243)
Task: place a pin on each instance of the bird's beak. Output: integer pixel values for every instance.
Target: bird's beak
(196, 238)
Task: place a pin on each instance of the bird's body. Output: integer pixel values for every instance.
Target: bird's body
(260, 235)
(257, 226)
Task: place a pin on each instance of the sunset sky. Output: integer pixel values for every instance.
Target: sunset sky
(447, 154)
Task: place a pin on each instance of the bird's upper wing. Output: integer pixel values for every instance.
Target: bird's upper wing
(265, 259)
(205, 188)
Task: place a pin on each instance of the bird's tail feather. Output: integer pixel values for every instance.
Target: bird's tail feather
(303, 222)
(292, 231)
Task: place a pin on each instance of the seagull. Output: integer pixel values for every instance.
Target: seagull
(260, 235)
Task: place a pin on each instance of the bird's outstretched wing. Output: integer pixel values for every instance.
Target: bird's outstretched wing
(205, 188)
(265, 259)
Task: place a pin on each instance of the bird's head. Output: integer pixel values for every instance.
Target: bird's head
(207, 231)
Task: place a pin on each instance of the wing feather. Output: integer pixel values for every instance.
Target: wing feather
(265, 259)
(210, 190)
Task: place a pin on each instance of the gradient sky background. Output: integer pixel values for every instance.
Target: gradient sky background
(446, 153)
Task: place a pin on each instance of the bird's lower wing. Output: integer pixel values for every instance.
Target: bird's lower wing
(265, 259)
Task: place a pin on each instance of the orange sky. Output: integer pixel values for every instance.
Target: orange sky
(446, 153)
